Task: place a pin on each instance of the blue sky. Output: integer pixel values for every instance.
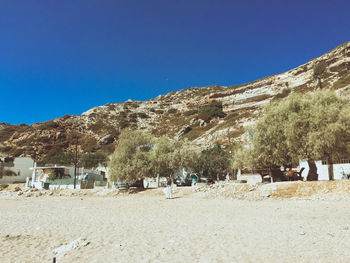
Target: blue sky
(65, 57)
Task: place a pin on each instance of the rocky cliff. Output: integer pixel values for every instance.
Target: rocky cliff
(202, 115)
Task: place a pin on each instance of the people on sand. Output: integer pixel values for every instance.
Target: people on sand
(168, 193)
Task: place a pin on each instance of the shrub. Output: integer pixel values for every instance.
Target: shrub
(284, 93)
(172, 111)
(48, 125)
(97, 126)
(319, 68)
(6, 133)
(159, 111)
(190, 112)
(65, 117)
(143, 115)
(212, 110)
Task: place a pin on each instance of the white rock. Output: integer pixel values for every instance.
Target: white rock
(64, 249)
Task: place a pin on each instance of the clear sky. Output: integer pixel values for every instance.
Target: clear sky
(62, 57)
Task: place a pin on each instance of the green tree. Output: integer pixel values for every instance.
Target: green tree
(131, 158)
(319, 70)
(213, 163)
(211, 110)
(92, 160)
(60, 158)
(310, 127)
(168, 156)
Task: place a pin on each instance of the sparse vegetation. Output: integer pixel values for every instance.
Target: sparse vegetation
(190, 112)
(284, 93)
(172, 111)
(343, 81)
(212, 110)
(48, 125)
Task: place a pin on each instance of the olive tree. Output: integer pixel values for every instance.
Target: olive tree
(214, 162)
(138, 155)
(131, 158)
(168, 156)
(310, 127)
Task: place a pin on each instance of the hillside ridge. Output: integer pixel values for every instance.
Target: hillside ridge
(202, 115)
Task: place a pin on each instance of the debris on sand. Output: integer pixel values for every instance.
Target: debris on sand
(76, 244)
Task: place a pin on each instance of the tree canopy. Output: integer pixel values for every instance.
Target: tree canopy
(138, 155)
(130, 160)
(310, 127)
(213, 163)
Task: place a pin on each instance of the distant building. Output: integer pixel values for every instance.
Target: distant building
(15, 170)
(341, 169)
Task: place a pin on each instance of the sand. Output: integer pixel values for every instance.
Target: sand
(146, 227)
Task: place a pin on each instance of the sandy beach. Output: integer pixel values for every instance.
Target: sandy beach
(148, 228)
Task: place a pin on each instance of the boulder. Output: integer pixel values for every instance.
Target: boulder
(183, 131)
(106, 139)
(202, 123)
(193, 121)
(17, 189)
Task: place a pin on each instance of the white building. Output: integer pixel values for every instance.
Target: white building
(340, 169)
(20, 168)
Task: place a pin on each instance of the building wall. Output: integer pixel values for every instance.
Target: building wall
(21, 167)
(250, 178)
(322, 170)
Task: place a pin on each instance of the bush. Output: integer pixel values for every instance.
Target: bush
(284, 93)
(212, 110)
(319, 68)
(172, 111)
(159, 111)
(48, 125)
(190, 112)
(143, 115)
(6, 133)
(97, 126)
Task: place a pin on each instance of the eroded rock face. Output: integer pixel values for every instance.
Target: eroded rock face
(176, 114)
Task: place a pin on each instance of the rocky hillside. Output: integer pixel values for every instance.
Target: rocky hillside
(202, 115)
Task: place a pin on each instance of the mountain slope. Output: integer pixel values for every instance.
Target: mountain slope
(186, 113)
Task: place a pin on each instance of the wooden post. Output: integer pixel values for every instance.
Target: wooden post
(75, 162)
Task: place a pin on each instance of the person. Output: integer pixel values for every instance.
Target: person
(193, 182)
(168, 193)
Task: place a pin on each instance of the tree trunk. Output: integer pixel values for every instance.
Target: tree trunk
(319, 83)
(330, 170)
(312, 175)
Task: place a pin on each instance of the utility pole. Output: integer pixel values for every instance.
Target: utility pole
(75, 161)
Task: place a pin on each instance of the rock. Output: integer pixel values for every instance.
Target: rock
(58, 135)
(202, 123)
(193, 121)
(17, 189)
(302, 233)
(117, 245)
(64, 249)
(183, 131)
(28, 194)
(106, 139)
